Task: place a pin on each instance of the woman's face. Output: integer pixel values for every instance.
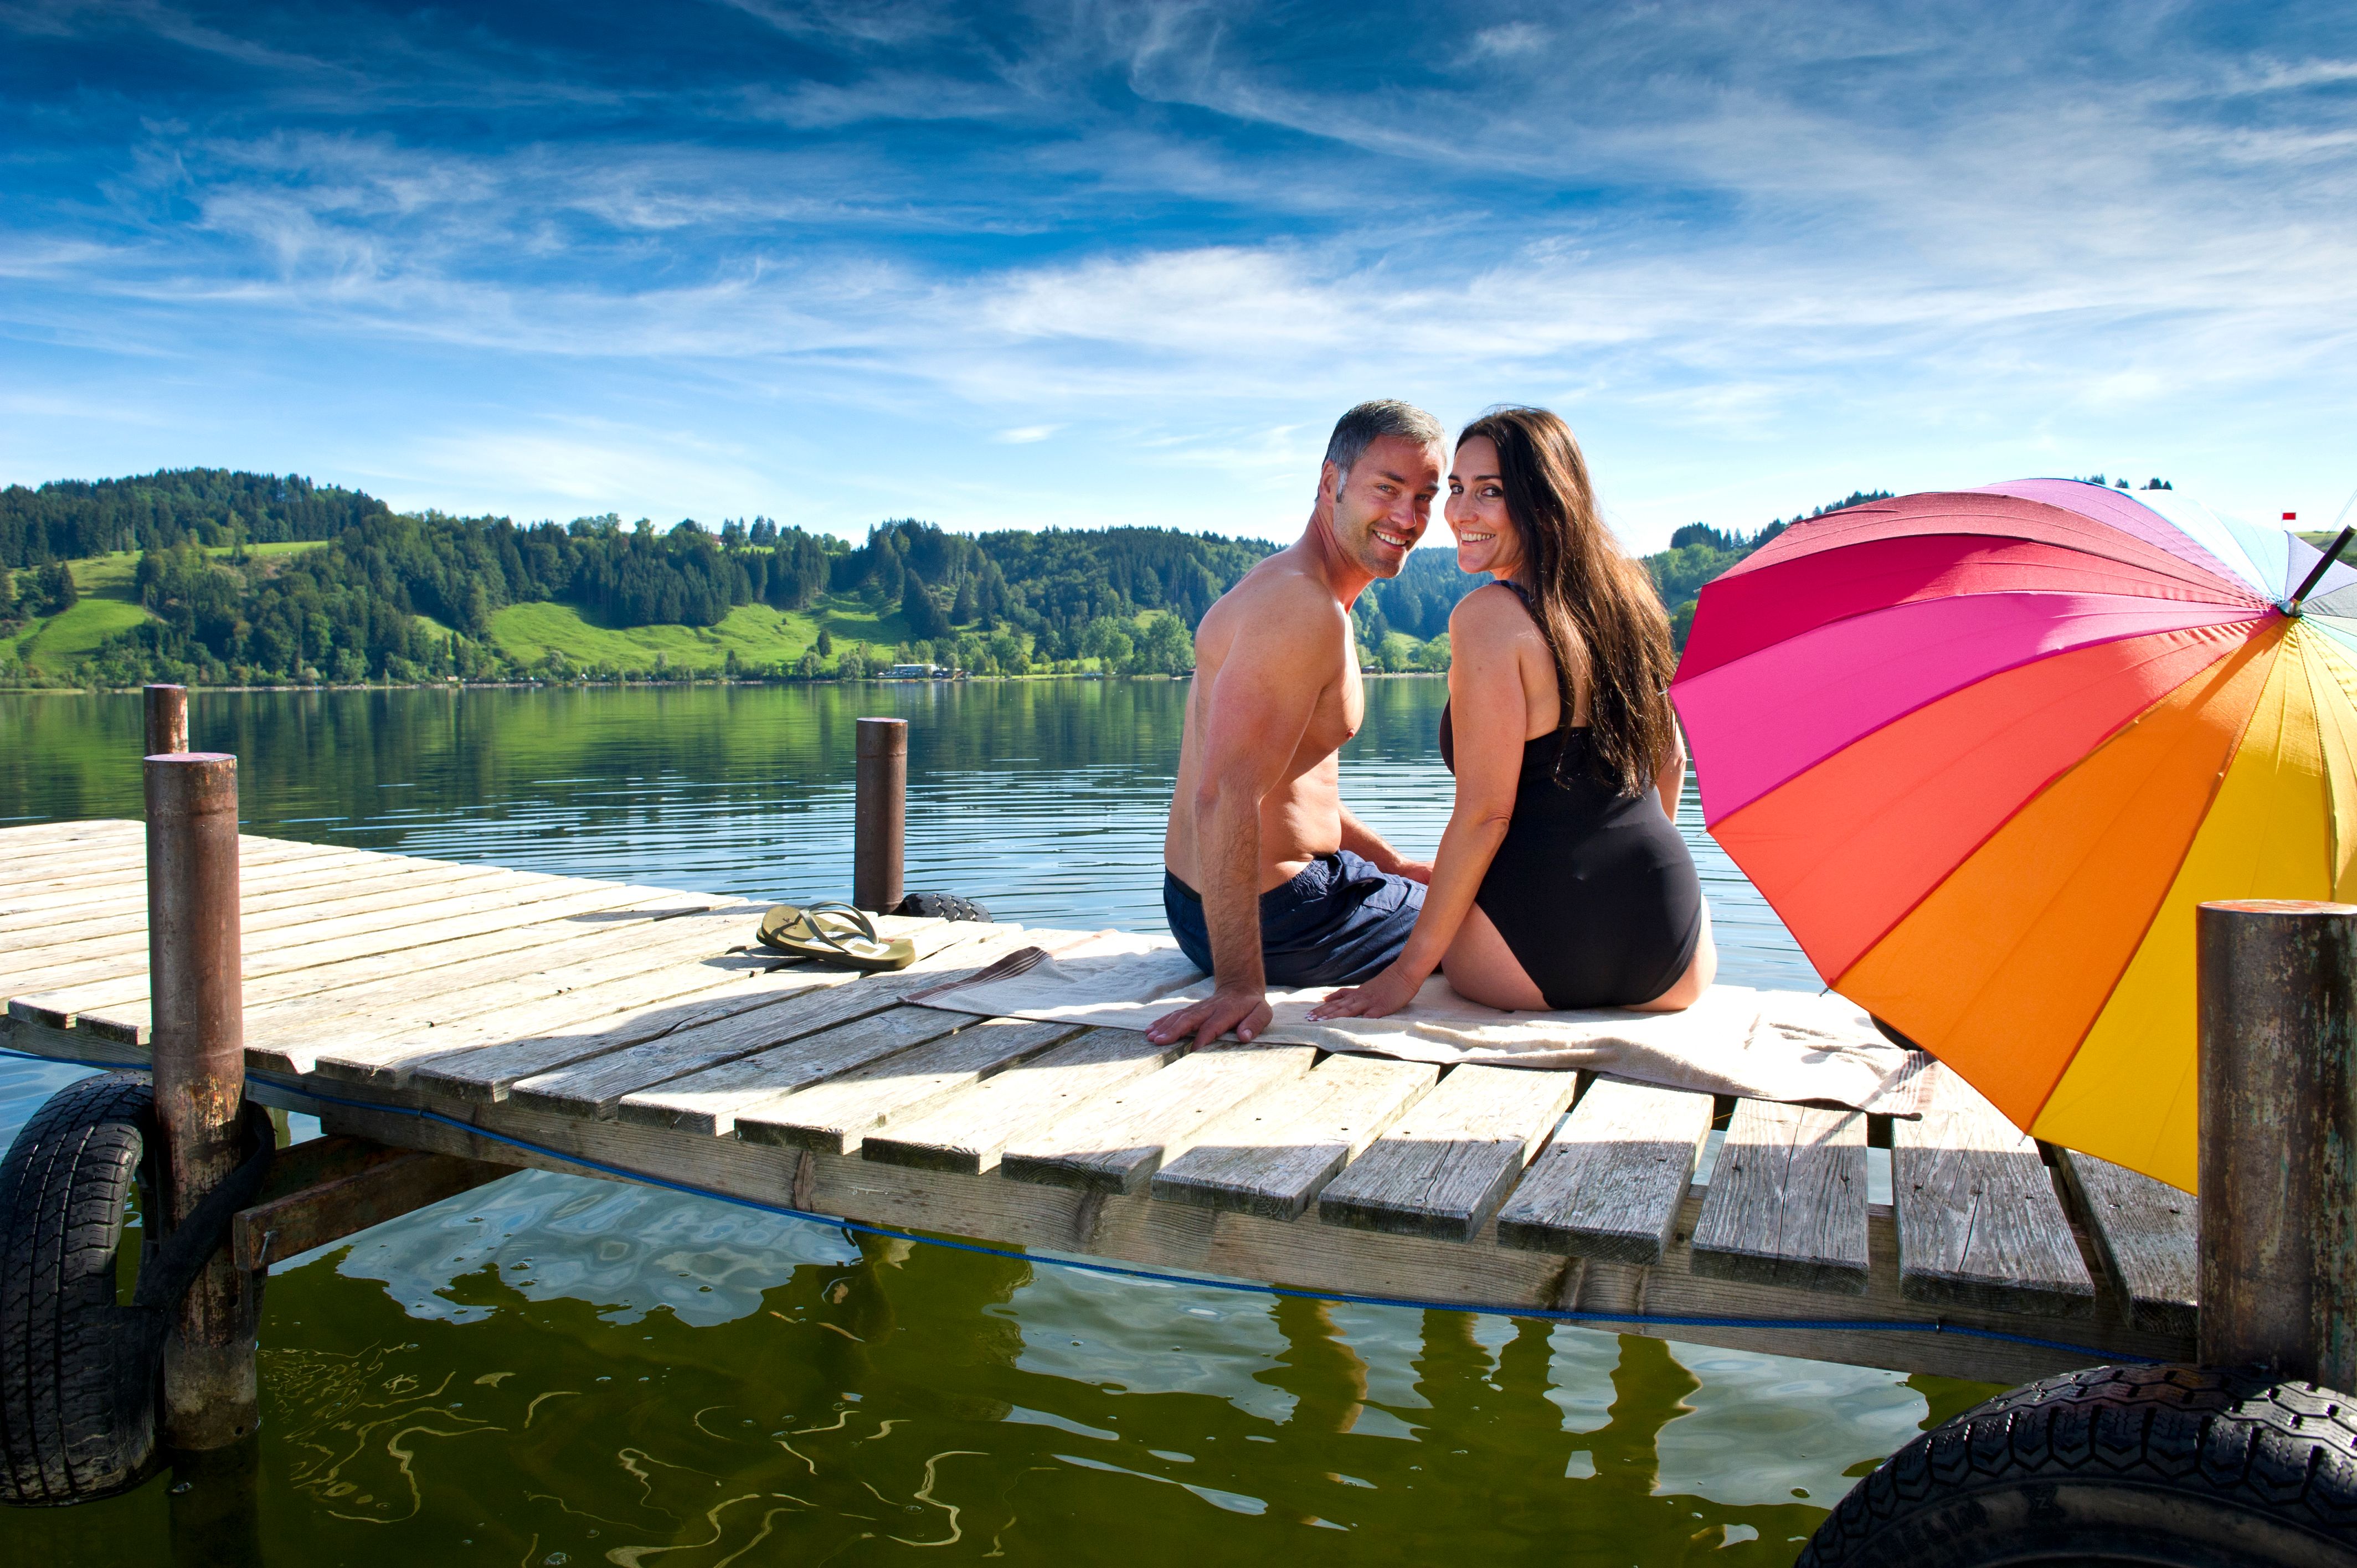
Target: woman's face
(1476, 511)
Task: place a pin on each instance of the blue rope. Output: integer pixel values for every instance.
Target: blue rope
(1157, 1276)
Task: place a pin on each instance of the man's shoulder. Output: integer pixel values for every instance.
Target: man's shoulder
(1279, 596)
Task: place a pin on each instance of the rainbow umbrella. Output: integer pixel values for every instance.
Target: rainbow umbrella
(1985, 751)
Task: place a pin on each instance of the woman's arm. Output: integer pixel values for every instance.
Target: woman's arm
(1670, 779)
(1488, 711)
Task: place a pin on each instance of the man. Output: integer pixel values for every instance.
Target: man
(1268, 879)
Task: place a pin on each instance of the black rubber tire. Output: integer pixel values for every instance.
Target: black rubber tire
(942, 907)
(77, 1372)
(2173, 1467)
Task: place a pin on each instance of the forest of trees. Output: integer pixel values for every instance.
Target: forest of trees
(67, 519)
(391, 595)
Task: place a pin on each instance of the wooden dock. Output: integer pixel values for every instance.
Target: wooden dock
(628, 1027)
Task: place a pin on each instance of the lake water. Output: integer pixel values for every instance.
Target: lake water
(555, 1369)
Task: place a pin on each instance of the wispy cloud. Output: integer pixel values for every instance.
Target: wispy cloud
(1731, 240)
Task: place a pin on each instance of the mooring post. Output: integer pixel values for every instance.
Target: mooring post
(879, 814)
(198, 1033)
(167, 720)
(2279, 1137)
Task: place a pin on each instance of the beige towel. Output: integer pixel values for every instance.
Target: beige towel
(1762, 1045)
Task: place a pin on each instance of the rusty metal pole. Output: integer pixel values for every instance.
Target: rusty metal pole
(167, 720)
(2279, 1137)
(879, 813)
(193, 958)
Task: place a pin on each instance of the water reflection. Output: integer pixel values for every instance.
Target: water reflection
(551, 1369)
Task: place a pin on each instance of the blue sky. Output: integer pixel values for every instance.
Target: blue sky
(1008, 266)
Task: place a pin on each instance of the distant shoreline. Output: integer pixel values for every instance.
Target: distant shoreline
(69, 690)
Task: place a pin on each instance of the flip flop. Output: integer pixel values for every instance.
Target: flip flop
(834, 934)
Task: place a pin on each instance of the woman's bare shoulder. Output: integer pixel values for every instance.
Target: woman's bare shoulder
(1491, 613)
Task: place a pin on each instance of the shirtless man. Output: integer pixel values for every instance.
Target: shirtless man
(1268, 879)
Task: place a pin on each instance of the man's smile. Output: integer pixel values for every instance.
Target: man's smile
(1397, 540)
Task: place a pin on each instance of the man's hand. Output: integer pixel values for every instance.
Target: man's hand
(1415, 870)
(1244, 1011)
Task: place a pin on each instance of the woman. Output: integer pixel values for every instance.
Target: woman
(1560, 882)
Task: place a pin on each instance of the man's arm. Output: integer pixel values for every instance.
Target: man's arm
(1253, 719)
(1368, 844)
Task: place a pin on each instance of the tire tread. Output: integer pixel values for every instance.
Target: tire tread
(2287, 1450)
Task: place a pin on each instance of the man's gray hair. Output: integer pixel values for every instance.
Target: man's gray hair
(1363, 425)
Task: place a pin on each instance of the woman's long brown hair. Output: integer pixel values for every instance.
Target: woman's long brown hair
(1596, 606)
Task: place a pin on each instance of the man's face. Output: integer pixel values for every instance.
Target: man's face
(1384, 503)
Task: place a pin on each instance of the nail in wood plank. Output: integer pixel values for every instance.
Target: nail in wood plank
(1445, 1166)
(1117, 1140)
(2149, 1235)
(1610, 1185)
(1786, 1204)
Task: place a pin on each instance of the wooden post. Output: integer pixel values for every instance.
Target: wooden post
(880, 813)
(167, 720)
(193, 958)
(2279, 1137)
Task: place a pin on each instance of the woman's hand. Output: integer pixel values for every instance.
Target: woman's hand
(1379, 998)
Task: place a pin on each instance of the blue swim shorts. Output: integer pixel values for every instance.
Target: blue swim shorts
(1337, 923)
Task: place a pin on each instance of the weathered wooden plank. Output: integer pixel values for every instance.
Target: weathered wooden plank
(707, 1103)
(665, 967)
(322, 911)
(596, 1086)
(1610, 1184)
(30, 836)
(23, 904)
(63, 1002)
(1117, 1142)
(1445, 1166)
(1979, 1223)
(261, 861)
(347, 1189)
(1303, 1252)
(968, 1133)
(1273, 1156)
(1787, 1200)
(2149, 1234)
(319, 895)
(130, 850)
(837, 1115)
(120, 1011)
(48, 967)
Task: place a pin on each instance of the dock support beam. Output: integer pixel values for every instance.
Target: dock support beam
(193, 955)
(167, 720)
(880, 814)
(2279, 1137)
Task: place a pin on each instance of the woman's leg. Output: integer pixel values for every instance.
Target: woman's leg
(1482, 968)
(1701, 970)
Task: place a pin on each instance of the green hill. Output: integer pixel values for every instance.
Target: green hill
(240, 579)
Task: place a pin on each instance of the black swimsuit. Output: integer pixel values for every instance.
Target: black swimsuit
(1594, 891)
